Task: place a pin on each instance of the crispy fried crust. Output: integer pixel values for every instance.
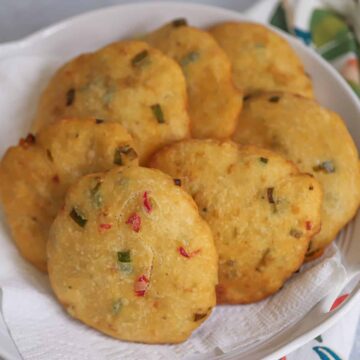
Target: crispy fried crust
(135, 269)
(35, 175)
(214, 102)
(261, 59)
(261, 210)
(128, 82)
(317, 141)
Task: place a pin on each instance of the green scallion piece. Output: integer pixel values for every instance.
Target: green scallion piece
(124, 256)
(126, 151)
(326, 166)
(189, 58)
(124, 260)
(297, 234)
(117, 157)
(158, 113)
(179, 22)
(70, 97)
(130, 153)
(78, 218)
(116, 307)
(95, 194)
(274, 99)
(139, 58)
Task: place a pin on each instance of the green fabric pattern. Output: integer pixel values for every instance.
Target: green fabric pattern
(355, 87)
(278, 18)
(332, 38)
(325, 26)
(330, 34)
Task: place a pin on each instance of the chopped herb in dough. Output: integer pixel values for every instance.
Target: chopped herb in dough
(78, 218)
(70, 97)
(139, 58)
(179, 22)
(116, 306)
(126, 150)
(326, 167)
(124, 261)
(95, 195)
(124, 256)
(297, 234)
(189, 58)
(274, 99)
(158, 113)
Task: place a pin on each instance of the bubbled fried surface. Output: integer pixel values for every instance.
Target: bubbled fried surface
(214, 102)
(318, 142)
(261, 59)
(164, 245)
(122, 82)
(261, 210)
(35, 175)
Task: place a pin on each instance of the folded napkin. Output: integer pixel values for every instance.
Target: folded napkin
(42, 330)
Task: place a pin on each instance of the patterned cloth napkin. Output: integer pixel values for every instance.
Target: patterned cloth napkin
(332, 28)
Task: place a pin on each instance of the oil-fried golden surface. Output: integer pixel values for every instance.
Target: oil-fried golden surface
(261, 59)
(318, 142)
(261, 210)
(136, 261)
(127, 82)
(35, 175)
(214, 102)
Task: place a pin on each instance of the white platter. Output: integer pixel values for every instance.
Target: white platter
(92, 30)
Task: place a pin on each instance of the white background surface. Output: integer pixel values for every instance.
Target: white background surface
(19, 18)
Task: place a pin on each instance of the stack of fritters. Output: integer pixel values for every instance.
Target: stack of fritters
(262, 178)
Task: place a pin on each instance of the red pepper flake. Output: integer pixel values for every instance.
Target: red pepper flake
(339, 301)
(30, 139)
(135, 221)
(187, 255)
(147, 202)
(105, 226)
(183, 252)
(141, 285)
(308, 225)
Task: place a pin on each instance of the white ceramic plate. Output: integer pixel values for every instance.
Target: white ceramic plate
(92, 30)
